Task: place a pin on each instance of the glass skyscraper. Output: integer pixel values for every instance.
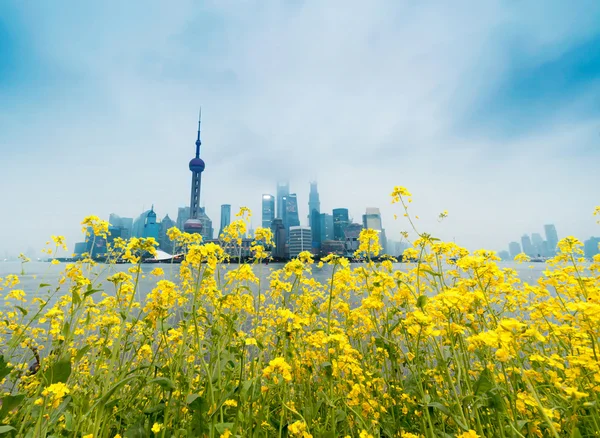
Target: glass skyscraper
(340, 222)
(283, 189)
(290, 211)
(551, 237)
(268, 210)
(225, 217)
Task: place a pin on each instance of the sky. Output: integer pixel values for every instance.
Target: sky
(490, 110)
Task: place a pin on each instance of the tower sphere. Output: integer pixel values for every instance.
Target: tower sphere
(197, 165)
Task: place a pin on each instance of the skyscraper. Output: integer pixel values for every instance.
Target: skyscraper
(300, 240)
(514, 248)
(372, 220)
(283, 189)
(527, 246)
(194, 224)
(124, 223)
(314, 205)
(551, 238)
(225, 217)
(268, 210)
(340, 222)
(183, 214)
(290, 211)
(151, 227)
(164, 242)
(279, 239)
(538, 244)
(326, 226)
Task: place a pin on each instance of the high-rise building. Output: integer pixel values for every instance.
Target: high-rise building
(197, 165)
(551, 238)
(514, 248)
(314, 205)
(340, 222)
(151, 227)
(268, 210)
(279, 239)
(283, 189)
(183, 214)
(527, 245)
(290, 211)
(591, 247)
(164, 242)
(300, 240)
(225, 217)
(124, 223)
(351, 234)
(326, 226)
(372, 220)
(139, 224)
(206, 230)
(504, 255)
(538, 244)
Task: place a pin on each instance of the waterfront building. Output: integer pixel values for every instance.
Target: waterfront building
(591, 247)
(243, 250)
(124, 223)
(151, 227)
(164, 243)
(504, 255)
(225, 217)
(527, 245)
(538, 244)
(196, 166)
(514, 248)
(283, 189)
(80, 248)
(300, 240)
(279, 239)
(290, 211)
(340, 222)
(183, 214)
(372, 220)
(326, 226)
(139, 224)
(268, 210)
(351, 234)
(336, 247)
(551, 238)
(206, 227)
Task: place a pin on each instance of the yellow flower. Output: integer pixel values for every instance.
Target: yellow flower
(157, 272)
(157, 427)
(225, 434)
(470, 434)
(230, 403)
(299, 429)
(89, 435)
(250, 341)
(365, 434)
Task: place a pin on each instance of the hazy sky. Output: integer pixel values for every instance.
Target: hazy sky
(490, 110)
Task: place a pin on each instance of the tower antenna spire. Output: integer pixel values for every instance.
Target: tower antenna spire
(198, 142)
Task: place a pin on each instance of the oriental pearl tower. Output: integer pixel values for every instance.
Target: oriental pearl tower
(193, 224)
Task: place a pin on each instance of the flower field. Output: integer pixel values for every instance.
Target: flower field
(456, 346)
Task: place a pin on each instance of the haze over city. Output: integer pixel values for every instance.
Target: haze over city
(493, 117)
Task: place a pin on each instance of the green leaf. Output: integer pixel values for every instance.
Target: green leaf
(89, 292)
(220, 428)
(430, 272)
(164, 383)
(154, 409)
(4, 368)
(76, 298)
(23, 311)
(58, 371)
(484, 383)
(440, 407)
(421, 301)
(82, 351)
(5, 429)
(10, 402)
(136, 431)
(575, 433)
(45, 285)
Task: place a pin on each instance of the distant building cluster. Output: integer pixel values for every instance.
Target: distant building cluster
(323, 233)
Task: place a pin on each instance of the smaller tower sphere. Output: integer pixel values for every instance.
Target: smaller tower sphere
(197, 165)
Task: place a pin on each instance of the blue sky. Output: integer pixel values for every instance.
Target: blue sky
(490, 110)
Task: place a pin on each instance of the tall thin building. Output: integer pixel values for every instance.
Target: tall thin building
(527, 245)
(551, 237)
(290, 211)
(225, 217)
(193, 224)
(283, 189)
(268, 210)
(314, 205)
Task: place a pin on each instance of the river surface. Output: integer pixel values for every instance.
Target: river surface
(37, 273)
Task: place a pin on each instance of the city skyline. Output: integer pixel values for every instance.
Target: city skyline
(99, 120)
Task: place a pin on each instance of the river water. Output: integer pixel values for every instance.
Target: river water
(37, 273)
